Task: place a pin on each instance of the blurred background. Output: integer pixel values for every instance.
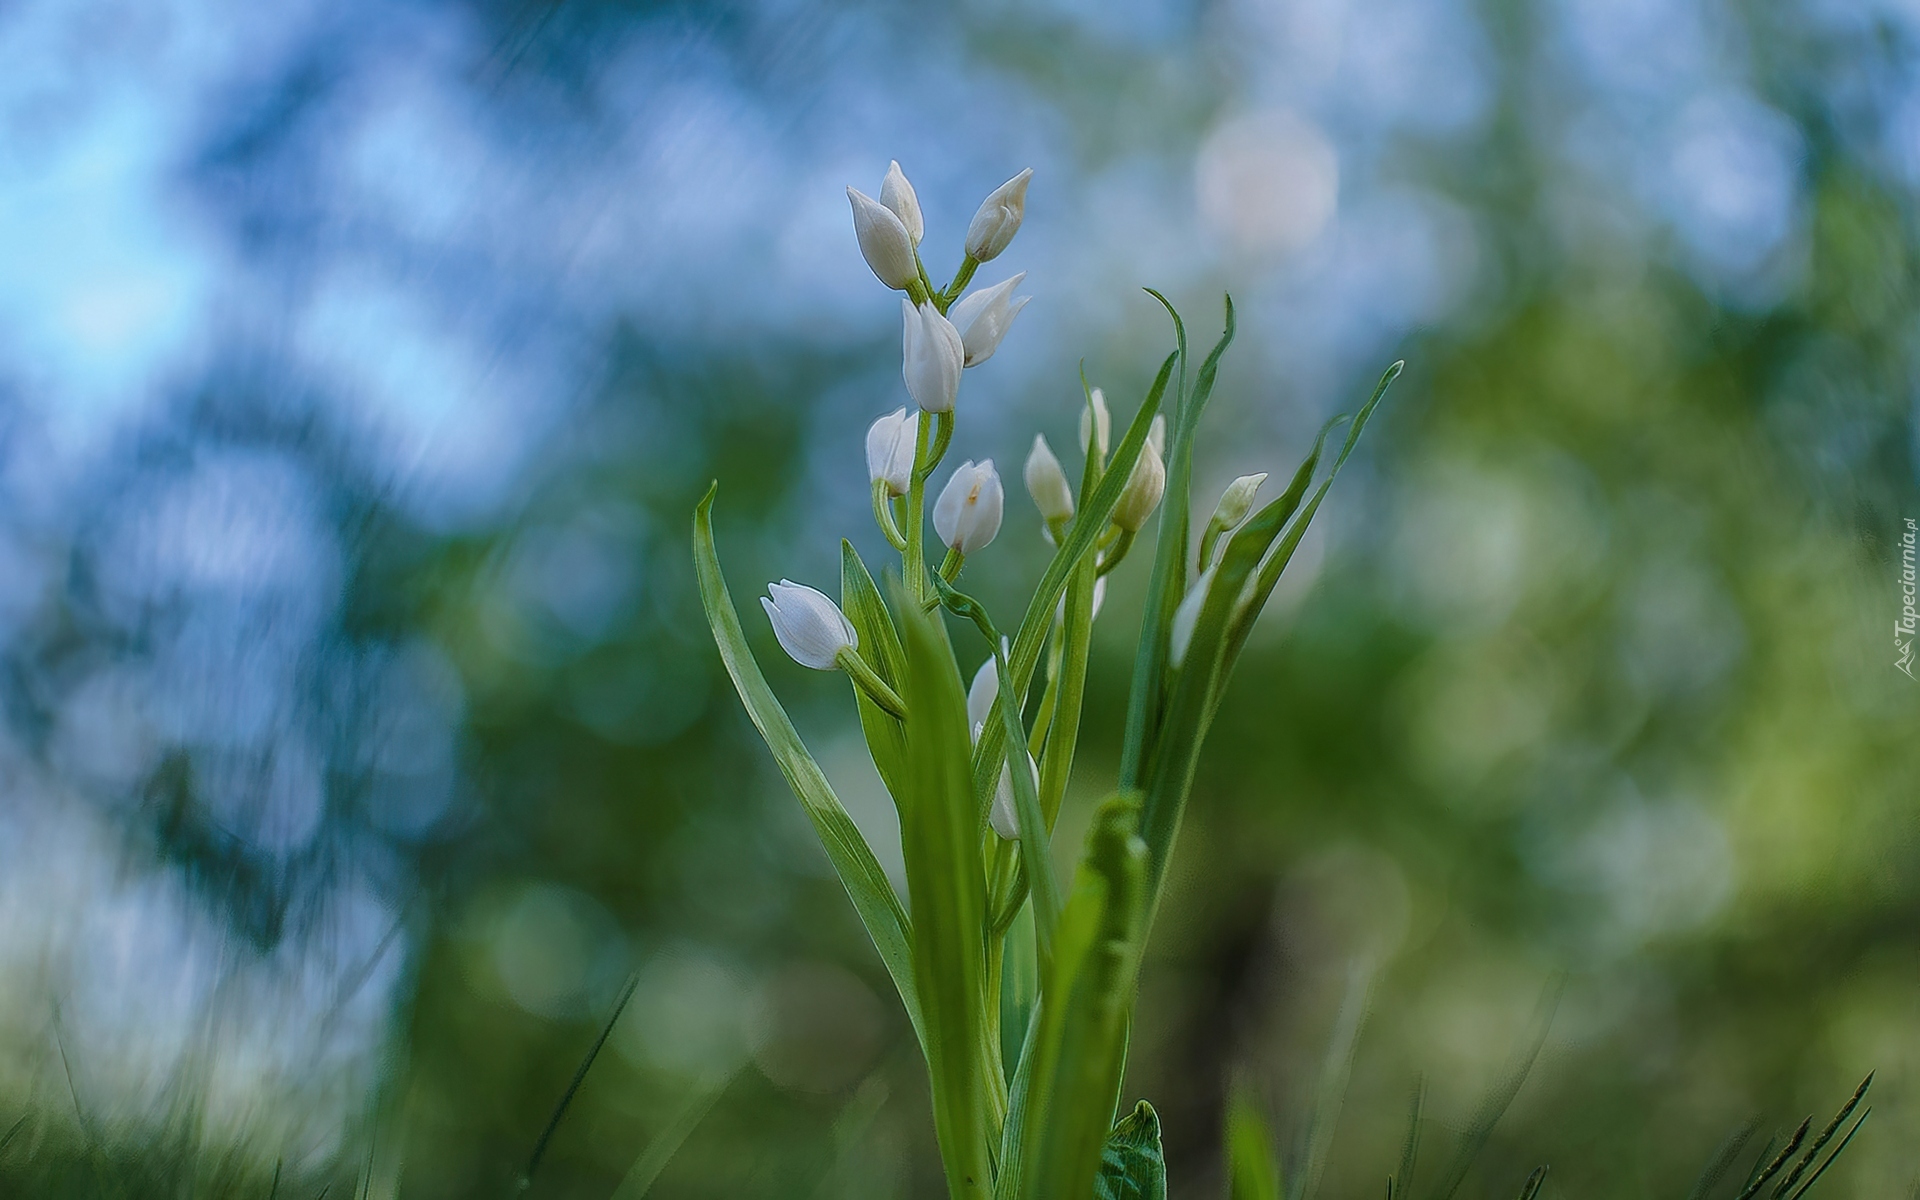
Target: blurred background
(360, 365)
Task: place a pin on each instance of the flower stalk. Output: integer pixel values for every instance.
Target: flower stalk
(1019, 990)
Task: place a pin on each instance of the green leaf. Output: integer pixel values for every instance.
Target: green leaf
(1035, 845)
(880, 646)
(1088, 524)
(1080, 1053)
(1234, 600)
(860, 873)
(1252, 1171)
(1019, 987)
(1168, 582)
(946, 881)
(1132, 1166)
(1283, 554)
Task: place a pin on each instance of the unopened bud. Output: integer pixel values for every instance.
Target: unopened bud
(980, 696)
(897, 194)
(1047, 483)
(983, 317)
(967, 514)
(1142, 494)
(1157, 434)
(1004, 818)
(1237, 501)
(999, 218)
(931, 356)
(1096, 420)
(810, 626)
(890, 445)
(1180, 636)
(884, 241)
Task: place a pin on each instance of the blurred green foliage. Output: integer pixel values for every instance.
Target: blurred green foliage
(1589, 680)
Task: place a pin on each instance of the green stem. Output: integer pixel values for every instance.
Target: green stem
(916, 562)
(868, 680)
(950, 565)
(961, 279)
(883, 515)
(940, 300)
(1116, 552)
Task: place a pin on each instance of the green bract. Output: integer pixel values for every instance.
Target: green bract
(1022, 994)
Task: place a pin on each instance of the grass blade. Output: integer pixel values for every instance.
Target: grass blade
(653, 1160)
(1401, 1182)
(853, 861)
(579, 1077)
(1837, 1150)
(1331, 1092)
(1531, 1188)
(1759, 1180)
(1722, 1161)
(1826, 1135)
(1495, 1105)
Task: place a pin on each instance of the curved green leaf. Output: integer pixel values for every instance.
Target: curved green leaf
(860, 873)
(1132, 1166)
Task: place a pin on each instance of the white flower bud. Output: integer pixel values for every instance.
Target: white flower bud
(1047, 483)
(897, 194)
(1237, 501)
(1187, 616)
(1099, 598)
(1099, 421)
(1003, 816)
(999, 218)
(890, 444)
(1142, 494)
(980, 696)
(1157, 434)
(967, 514)
(884, 241)
(811, 628)
(932, 356)
(984, 316)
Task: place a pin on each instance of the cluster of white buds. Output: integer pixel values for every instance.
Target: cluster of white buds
(942, 334)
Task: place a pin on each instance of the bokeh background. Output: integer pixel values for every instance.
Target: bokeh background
(360, 364)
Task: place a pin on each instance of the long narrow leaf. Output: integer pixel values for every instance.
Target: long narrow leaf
(1168, 582)
(1283, 553)
(947, 883)
(853, 861)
